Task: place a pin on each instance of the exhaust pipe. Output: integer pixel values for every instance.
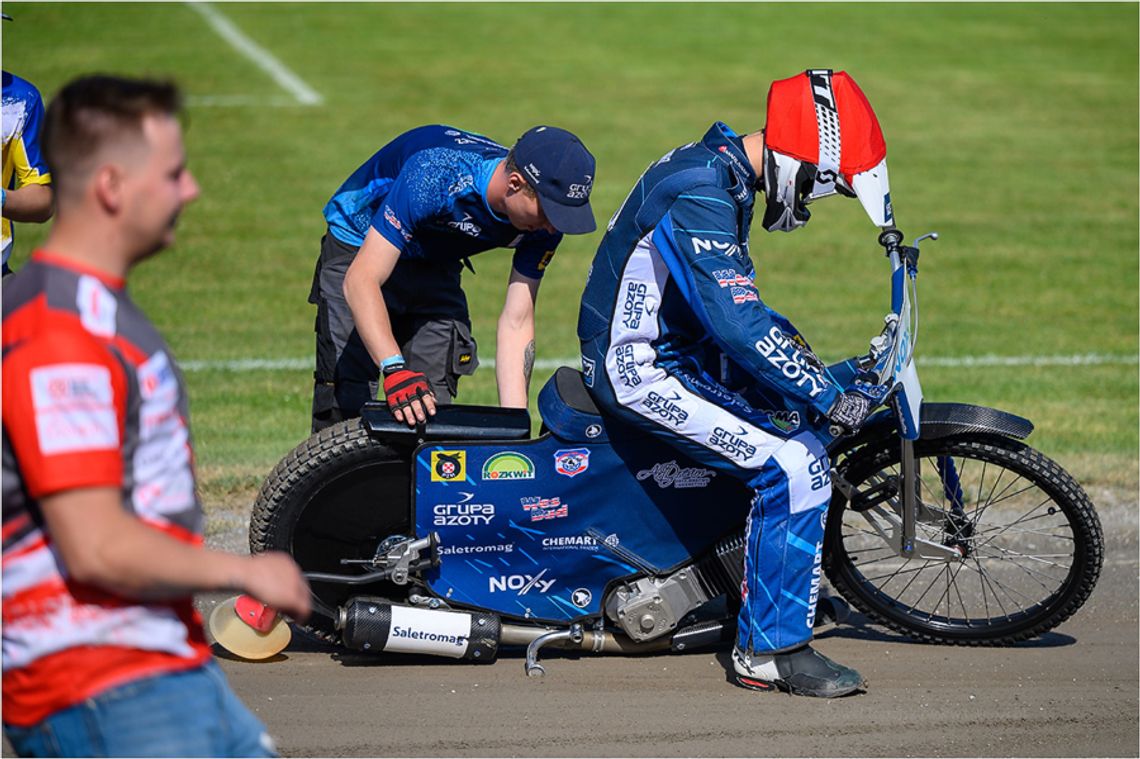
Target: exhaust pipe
(374, 625)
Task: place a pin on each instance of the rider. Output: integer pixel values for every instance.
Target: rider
(676, 341)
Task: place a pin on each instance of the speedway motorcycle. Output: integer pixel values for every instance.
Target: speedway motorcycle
(465, 534)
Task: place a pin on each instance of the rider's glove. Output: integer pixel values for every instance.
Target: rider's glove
(849, 411)
(402, 386)
(806, 355)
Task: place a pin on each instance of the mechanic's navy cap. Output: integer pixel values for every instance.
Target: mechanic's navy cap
(560, 169)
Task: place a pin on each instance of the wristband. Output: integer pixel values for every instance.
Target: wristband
(392, 363)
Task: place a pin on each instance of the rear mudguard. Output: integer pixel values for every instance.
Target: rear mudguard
(940, 420)
(449, 423)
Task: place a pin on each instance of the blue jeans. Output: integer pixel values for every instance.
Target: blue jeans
(192, 713)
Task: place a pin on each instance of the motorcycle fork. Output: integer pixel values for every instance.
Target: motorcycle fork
(895, 520)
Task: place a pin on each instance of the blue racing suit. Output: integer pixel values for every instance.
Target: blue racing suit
(676, 341)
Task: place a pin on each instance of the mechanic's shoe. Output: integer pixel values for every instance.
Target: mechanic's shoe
(803, 672)
(830, 611)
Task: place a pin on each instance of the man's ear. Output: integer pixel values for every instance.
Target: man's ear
(108, 187)
(515, 182)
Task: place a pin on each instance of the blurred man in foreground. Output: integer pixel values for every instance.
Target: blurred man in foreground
(103, 651)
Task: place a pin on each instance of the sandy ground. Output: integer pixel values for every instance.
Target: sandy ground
(1072, 693)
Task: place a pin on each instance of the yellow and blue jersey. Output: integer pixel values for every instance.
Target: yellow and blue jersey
(23, 115)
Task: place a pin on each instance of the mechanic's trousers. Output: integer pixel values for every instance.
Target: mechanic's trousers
(786, 465)
(428, 313)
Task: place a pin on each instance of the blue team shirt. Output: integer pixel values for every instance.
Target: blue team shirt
(425, 192)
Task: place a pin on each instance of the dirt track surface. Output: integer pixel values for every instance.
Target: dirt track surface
(1072, 693)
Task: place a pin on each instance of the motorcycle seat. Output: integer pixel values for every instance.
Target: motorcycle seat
(568, 411)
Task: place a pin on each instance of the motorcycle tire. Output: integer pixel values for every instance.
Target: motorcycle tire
(336, 496)
(1031, 543)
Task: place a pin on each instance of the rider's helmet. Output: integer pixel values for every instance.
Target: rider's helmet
(821, 138)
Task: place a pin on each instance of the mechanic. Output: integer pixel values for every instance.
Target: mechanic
(27, 182)
(676, 341)
(400, 230)
(104, 653)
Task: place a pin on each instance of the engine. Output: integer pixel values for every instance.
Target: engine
(650, 607)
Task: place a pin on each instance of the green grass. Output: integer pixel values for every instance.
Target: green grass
(1011, 128)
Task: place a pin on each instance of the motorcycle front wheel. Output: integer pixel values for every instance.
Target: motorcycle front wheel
(335, 497)
(1028, 545)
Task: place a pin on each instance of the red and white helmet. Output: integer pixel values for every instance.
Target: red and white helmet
(822, 137)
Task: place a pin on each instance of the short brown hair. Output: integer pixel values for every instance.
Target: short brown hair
(510, 164)
(93, 111)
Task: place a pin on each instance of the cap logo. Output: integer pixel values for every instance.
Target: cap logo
(580, 191)
(532, 172)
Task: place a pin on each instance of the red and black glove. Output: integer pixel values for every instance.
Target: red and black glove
(402, 386)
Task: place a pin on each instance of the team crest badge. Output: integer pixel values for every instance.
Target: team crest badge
(447, 466)
(571, 462)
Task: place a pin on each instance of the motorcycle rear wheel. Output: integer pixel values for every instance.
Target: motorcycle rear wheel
(336, 496)
(1031, 542)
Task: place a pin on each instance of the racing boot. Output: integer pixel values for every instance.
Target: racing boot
(801, 672)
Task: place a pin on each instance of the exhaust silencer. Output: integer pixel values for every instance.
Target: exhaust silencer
(374, 625)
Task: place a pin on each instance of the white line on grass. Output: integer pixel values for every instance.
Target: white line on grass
(230, 101)
(1086, 359)
(290, 82)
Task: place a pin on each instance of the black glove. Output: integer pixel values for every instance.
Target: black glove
(849, 411)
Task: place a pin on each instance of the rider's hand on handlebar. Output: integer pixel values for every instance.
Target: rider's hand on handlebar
(409, 395)
(849, 411)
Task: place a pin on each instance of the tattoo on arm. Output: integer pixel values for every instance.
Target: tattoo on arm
(528, 362)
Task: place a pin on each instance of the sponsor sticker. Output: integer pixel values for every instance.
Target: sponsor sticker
(543, 262)
(508, 465)
(462, 514)
(593, 430)
(447, 466)
(576, 542)
(571, 462)
(784, 356)
(714, 246)
(581, 597)
(633, 307)
(666, 407)
(466, 226)
(422, 631)
(98, 308)
(786, 421)
(74, 407)
(544, 508)
(588, 367)
(626, 365)
(672, 475)
(446, 550)
(520, 584)
(733, 444)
